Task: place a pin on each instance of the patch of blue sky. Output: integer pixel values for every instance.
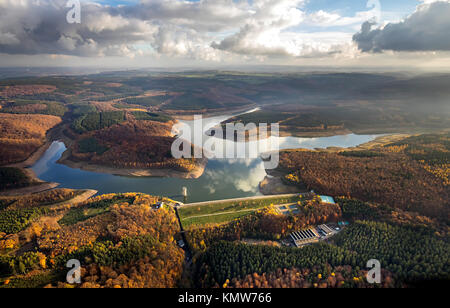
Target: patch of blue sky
(125, 2)
(345, 8)
(114, 2)
(144, 47)
(348, 8)
(391, 11)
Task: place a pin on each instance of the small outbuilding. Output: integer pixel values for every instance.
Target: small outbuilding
(326, 230)
(327, 199)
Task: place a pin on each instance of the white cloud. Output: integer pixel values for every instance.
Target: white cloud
(206, 30)
(172, 28)
(67, 43)
(427, 29)
(8, 39)
(251, 183)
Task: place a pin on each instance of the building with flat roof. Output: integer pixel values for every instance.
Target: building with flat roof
(327, 199)
(327, 230)
(305, 237)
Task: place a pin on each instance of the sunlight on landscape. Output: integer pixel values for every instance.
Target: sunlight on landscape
(225, 151)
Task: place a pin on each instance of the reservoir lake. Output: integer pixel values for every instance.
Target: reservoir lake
(222, 179)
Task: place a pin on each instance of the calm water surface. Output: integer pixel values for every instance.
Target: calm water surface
(223, 178)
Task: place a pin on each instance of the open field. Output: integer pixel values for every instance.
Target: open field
(225, 211)
(218, 218)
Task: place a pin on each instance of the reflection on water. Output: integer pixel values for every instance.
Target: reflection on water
(260, 146)
(223, 178)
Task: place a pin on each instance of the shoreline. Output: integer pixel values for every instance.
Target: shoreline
(315, 134)
(215, 113)
(86, 195)
(29, 190)
(378, 141)
(37, 185)
(65, 160)
(163, 173)
(339, 132)
(33, 158)
(273, 184)
(285, 131)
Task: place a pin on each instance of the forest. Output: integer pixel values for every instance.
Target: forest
(14, 221)
(11, 178)
(121, 240)
(9, 91)
(91, 145)
(23, 134)
(18, 212)
(388, 175)
(147, 101)
(79, 214)
(266, 224)
(431, 150)
(22, 106)
(132, 144)
(337, 277)
(357, 210)
(351, 100)
(411, 247)
(97, 120)
(149, 116)
(410, 254)
(395, 196)
(291, 123)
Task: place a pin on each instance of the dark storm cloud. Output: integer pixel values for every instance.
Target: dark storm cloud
(428, 29)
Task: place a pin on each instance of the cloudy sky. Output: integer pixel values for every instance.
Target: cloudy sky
(212, 33)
